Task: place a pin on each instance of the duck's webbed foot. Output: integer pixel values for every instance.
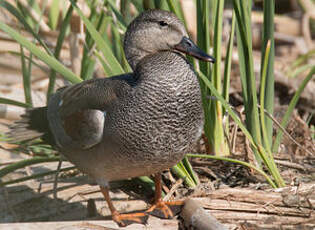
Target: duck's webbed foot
(124, 220)
(166, 209)
(160, 208)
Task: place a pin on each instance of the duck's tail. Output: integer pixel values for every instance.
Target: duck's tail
(33, 125)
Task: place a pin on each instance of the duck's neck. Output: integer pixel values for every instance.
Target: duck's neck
(166, 69)
(134, 56)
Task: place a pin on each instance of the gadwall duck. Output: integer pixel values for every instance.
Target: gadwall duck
(134, 124)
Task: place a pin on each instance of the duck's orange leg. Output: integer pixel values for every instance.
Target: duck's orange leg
(123, 219)
(160, 208)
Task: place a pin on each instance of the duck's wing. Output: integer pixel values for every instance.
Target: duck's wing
(95, 94)
(76, 114)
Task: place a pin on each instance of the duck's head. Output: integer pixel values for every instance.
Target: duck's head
(155, 31)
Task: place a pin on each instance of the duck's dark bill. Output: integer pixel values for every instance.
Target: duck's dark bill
(187, 46)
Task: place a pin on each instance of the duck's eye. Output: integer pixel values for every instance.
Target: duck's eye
(162, 23)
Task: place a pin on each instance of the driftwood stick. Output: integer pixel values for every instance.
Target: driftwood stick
(195, 217)
(290, 207)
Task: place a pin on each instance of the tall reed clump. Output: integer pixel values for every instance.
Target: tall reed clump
(105, 26)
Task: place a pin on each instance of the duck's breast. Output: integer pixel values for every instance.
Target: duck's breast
(163, 117)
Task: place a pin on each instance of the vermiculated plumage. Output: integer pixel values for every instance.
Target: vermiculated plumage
(152, 116)
(133, 124)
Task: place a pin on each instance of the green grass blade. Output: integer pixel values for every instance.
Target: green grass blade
(203, 41)
(162, 4)
(244, 43)
(300, 70)
(113, 64)
(7, 101)
(54, 14)
(22, 20)
(103, 62)
(262, 99)
(122, 25)
(117, 43)
(217, 138)
(291, 107)
(271, 163)
(227, 107)
(301, 61)
(228, 61)
(181, 172)
(49, 60)
(88, 61)
(256, 146)
(268, 35)
(125, 11)
(203, 32)
(138, 4)
(148, 4)
(23, 163)
(190, 170)
(38, 65)
(175, 7)
(227, 69)
(60, 40)
(26, 72)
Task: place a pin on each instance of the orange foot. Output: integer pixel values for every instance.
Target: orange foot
(165, 209)
(126, 219)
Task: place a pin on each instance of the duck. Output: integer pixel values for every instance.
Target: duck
(130, 125)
